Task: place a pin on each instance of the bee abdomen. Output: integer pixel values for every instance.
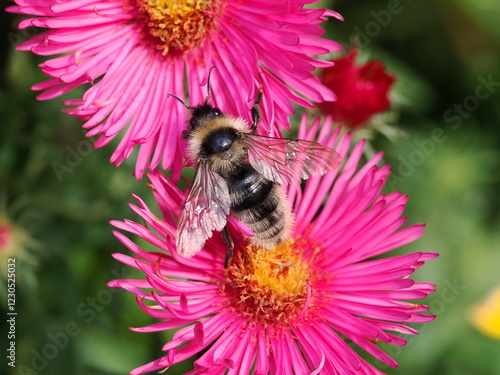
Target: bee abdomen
(270, 229)
(261, 223)
(260, 204)
(249, 189)
(268, 219)
(275, 227)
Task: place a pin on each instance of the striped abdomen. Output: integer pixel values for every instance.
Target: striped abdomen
(261, 205)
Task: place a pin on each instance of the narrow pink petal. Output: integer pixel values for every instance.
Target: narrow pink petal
(150, 367)
(243, 341)
(262, 363)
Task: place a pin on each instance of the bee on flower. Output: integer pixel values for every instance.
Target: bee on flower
(291, 308)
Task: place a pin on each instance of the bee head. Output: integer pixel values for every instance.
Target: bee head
(202, 114)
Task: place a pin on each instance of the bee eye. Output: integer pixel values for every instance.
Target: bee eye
(217, 112)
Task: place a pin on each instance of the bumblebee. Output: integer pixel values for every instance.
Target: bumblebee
(241, 173)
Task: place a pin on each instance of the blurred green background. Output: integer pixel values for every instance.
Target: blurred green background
(442, 53)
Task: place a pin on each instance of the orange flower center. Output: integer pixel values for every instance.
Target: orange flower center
(270, 286)
(179, 25)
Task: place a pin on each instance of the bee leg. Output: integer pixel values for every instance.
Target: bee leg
(229, 255)
(229, 245)
(256, 111)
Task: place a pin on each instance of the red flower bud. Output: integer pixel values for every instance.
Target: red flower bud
(361, 91)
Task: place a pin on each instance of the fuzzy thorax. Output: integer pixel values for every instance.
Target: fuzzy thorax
(219, 163)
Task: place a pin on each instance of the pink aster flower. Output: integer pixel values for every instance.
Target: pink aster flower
(288, 310)
(137, 52)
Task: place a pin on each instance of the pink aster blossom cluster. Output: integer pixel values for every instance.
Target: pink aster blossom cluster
(295, 309)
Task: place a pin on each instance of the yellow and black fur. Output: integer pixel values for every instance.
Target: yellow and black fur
(216, 139)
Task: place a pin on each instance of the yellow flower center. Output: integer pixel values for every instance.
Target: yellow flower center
(179, 25)
(270, 286)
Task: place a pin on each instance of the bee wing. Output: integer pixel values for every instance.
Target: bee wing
(287, 161)
(205, 210)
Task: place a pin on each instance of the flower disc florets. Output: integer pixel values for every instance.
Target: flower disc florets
(270, 286)
(178, 25)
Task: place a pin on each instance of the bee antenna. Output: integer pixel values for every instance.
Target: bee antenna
(208, 83)
(182, 101)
